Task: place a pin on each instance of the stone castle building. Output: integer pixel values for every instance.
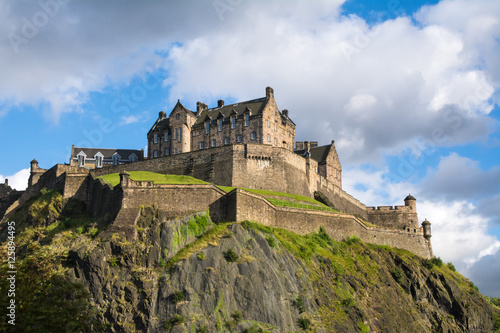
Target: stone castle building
(246, 145)
(101, 157)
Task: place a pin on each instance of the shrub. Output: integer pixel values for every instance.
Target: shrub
(93, 232)
(175, 320)
(324, 235)
(202, 329)
(398, 275)
(437, 261)
(178, 296)
(304, 323)
(237, 316)
(451, 266)
(230, 255)
(201, 255)
(493, 300)
(299, 304)
(428, 263)
(163, 264)
(352, 240)
(113, 261)
(254, 329)
(271, 241)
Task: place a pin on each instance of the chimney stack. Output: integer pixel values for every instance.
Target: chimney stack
(220, 103)
(6, 182)
(314, 144)
(285, 113)
(269, 93)
(162, 115)
(299, 145)
(200, 107)
(307, 153)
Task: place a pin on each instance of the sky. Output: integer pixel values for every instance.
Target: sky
(409, 91)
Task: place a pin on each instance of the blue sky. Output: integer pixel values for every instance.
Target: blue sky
(409, 91)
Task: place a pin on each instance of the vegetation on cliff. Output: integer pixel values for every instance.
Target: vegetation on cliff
(187, 274)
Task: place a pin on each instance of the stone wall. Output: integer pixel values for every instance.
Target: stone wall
(397, 217)
(173, 199)
(338, 226)
(253, 166)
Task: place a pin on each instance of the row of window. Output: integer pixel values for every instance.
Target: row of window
(98, 160)
(177, 135)
(220, 123)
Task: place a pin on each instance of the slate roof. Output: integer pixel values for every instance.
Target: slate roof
(160, 125)
(319, 154)
(108, 153)
(255, 106)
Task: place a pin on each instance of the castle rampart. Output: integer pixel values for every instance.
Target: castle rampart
(253, 166)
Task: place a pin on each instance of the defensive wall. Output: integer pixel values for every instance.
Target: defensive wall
(254, 166)
(121, 204)
(239, 205)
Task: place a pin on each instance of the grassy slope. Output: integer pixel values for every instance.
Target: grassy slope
(114, 178)
(276, 198)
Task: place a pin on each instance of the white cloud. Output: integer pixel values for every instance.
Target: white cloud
(129, 120)
(19, 180)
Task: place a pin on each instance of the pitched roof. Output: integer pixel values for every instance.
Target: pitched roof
(319, 154)
(108, 153)
(254, 106)
(160, 125)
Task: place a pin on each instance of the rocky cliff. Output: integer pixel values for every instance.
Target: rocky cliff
(186, 274)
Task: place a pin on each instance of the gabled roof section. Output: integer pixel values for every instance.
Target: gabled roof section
(160, 125)
(108, 153)
(182, 107)
(319, 154)
(255, 106)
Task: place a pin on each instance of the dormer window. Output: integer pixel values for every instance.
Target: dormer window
(247, 119)
(98, 160)
(220, 124)
(155, 139)
(115, 159)
(207, 127)
(233, 122)
(133, 158)
(166, 136)
(81, 160)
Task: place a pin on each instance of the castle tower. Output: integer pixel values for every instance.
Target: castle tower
(411, 202)
(36, 172)
(427, 229)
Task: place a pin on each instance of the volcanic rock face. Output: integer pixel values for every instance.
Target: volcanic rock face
(186, 274)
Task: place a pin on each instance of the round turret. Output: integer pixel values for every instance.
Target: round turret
(427, 229)
(411, 202)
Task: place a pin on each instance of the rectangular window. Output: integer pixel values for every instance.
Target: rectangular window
(269, 138)
(233, 122)
(275, 141)
(238, 139)
(81, 161)
(207, 127)
(268, 122)
(214, 143)
(254, 135)
(167, 152)
(202, 145)
(275, 125)
(247, 119)
(226, 140)
(180, 134)
(156, 138)
(155, 154)
(175, 151)
(175, 134)
(166, 136)
(220, 124)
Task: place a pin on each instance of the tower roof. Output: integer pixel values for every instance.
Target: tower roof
(410, 197)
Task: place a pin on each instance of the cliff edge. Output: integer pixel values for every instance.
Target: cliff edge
(187, 274)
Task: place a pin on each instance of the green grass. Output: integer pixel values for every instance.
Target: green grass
(283, 199)
(146, 176)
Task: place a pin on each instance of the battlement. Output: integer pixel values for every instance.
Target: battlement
(388, 208)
